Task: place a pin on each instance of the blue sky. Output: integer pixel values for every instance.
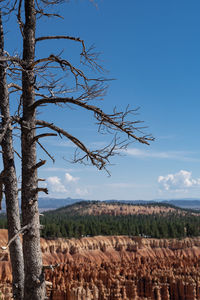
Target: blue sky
(152, 49)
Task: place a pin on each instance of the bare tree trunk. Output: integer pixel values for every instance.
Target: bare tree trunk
(9, 180)
(34, 286)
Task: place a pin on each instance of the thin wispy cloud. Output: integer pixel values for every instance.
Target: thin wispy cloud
(59, 143)
(81, 191)
(65, 144)
(54, 169)
(68, 144)
(175, 155)
(121, 185)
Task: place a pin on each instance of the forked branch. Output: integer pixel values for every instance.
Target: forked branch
(90, 57)
(98, 158)
(13, 59)
(116, 121)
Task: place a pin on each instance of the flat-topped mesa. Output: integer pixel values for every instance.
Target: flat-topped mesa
(98, 208)
(118, 267)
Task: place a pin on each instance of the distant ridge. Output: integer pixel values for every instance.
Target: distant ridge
(48, 203)
(185, 203)
(53, 203)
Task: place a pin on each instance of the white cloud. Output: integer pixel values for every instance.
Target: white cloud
(70, 178)
(59, 187)
(179, 181)
(55, 185)
(177, 155)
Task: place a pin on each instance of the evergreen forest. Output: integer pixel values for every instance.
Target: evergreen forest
(155, 226)
(62, 223)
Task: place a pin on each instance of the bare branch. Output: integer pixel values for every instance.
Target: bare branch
(21, 24)
(115, 121)
(44, 190)
(66, 37)
(98, 158)
(14, 85)
(46, 151)
(52, 101)
(45, 59)
(65, 65)
(26, 227)
(13, 59)
(22, 230)
(7, 9)
(37, 137)
(41, 179)
(61, 131)
(39, 164)
(18, 154)
(42, 10)
(7, 58)
(42, 13)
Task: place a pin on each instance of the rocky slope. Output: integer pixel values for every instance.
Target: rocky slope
(96, 208)
(116, 268)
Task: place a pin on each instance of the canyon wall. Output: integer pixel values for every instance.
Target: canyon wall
(116, 268)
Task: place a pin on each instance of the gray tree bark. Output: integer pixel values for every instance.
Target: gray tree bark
(9, 179)
(34, 285)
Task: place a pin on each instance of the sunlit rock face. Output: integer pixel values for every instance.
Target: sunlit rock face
(124, 268)
(116, 268)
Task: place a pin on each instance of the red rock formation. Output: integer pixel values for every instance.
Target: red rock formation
(117, 268)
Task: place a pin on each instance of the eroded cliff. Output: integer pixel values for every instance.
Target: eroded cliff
(117, 268)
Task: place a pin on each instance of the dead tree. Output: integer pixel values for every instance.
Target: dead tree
(8, 179)
(34, 287)
(41, 85)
